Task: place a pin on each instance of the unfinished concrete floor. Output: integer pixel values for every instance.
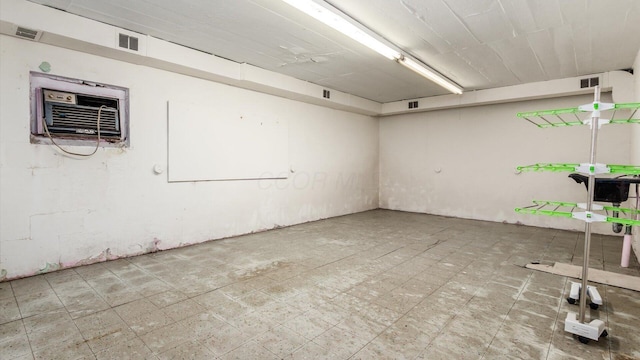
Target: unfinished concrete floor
(374, 285)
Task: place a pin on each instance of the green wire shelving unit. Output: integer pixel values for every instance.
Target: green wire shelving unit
(625, 113)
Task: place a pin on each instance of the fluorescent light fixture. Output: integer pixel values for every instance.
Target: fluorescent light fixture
(431, 75)
(339, 23)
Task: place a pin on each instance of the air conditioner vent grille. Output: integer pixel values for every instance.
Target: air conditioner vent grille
(67, 109)
(77, 119)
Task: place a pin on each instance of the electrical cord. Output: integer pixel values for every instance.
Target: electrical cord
(44, 122)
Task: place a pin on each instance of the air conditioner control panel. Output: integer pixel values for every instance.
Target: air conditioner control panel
(59, 97)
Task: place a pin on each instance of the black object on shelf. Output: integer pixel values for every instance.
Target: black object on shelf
(612, 190)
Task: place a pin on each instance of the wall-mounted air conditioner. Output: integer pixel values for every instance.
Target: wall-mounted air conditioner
(72, 109)
(80, 115)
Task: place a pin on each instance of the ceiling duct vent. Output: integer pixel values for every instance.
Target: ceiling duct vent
(326, 94)
(589, 82)
(413, 104)
(26, 33)
(128, 42)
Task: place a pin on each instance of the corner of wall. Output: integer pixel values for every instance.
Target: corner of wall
(635, 145)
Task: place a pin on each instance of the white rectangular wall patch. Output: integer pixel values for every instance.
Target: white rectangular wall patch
(212, 143)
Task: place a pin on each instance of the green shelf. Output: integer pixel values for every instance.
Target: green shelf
(634, 106)
(572, 210)
(613, 169)
(548, 112)
(569, 116)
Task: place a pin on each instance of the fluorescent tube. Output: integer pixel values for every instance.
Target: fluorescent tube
(430, 74)
(339, 23)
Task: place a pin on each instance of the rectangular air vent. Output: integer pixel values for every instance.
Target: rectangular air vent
(589, 82)
(326, 94)
(584, 83)
(128, 42)
(413, 104)
(26, 33)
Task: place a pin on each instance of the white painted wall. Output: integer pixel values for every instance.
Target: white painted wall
(461, 162)
(58, 212)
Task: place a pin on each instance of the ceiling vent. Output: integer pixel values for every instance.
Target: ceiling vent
(413, 104)
(589, 82)
(128, 42)
(326, 94)
(26, 33)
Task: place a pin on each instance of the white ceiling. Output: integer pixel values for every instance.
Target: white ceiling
(478, 44)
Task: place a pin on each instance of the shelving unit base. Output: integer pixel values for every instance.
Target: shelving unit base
(593, 330)
(592, 292)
